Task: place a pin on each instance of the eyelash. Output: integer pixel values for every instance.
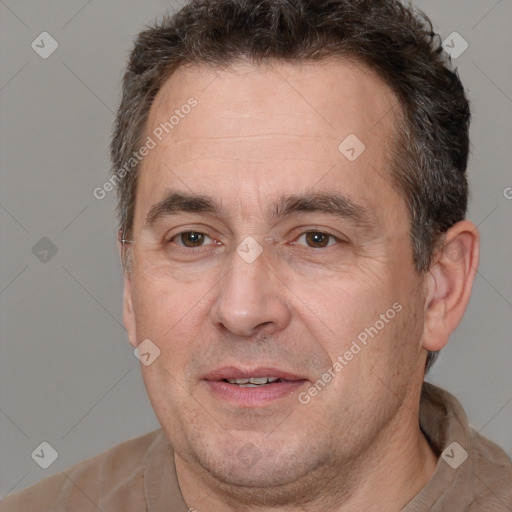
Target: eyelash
(333, 240)
(178, 235)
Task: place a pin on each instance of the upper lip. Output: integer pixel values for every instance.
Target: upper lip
(233, 372)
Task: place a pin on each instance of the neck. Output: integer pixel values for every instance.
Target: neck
(384, 477)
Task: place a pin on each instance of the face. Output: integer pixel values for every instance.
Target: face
(264, 248)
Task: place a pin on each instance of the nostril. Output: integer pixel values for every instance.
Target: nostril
(263, 325)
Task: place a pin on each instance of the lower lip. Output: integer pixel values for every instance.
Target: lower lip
(253, 397)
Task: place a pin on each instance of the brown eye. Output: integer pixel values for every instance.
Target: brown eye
(318, 240)
(191, 239)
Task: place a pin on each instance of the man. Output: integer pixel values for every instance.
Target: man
(292, 199)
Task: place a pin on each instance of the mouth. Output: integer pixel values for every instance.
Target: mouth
(252, 387)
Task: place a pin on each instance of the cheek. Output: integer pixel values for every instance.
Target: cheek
(343, 304)
(159, 297)
(171, 315)
(365, 320)
(378, 363)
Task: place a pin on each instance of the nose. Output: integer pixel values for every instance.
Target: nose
(251, 300)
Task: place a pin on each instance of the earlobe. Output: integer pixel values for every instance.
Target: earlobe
(448, 284)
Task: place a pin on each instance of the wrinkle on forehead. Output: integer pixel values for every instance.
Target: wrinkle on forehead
(297, 89)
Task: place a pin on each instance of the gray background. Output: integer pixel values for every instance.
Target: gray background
(68, 375)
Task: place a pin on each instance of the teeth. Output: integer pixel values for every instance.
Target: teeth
(258, 380)
(253, 381)
(240, 381)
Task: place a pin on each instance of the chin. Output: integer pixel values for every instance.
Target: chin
(267, 484)
(248, 467)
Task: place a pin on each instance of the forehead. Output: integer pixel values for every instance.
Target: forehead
(327, 97)
(277, 127)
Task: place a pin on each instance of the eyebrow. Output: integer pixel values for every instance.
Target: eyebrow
(331, 204)
(285, 206)
(177, 202)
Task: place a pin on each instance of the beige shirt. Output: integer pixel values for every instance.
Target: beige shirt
(472, 475)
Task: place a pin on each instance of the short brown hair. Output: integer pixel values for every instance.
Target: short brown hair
(394, 40)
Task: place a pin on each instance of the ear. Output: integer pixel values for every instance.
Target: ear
(449, 283)
(128, 312)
